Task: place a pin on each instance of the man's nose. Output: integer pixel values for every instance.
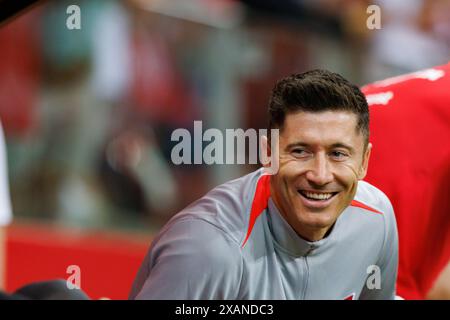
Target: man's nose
(319, 173)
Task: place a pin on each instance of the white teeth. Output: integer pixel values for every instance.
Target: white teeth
(318, 196)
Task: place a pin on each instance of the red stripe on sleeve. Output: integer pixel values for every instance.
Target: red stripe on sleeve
(358, 204)
(259, 204)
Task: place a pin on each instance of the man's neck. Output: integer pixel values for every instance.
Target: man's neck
(308, 234)
(311, 235)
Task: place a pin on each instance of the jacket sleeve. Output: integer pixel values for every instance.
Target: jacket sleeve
(191, 259)
(387, 264)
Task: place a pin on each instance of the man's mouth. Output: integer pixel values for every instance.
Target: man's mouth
(317, 196)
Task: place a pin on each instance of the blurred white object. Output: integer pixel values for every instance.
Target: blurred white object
(5, 200)
(400, 43)
(111, 53)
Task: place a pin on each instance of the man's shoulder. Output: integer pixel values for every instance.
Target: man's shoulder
(372, 217)
(190, 259)
(195, 240)
(225, 207)
(195, 232)
(371, 198)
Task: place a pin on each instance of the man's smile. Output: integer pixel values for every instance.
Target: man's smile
(316, 199)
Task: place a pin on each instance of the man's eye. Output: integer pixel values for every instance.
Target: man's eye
(338, 155)
(299, 152)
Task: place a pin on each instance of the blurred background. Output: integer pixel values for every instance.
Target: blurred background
(88, 113)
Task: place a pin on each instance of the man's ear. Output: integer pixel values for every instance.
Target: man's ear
(269, 152)
(265, 151)
(365, 162)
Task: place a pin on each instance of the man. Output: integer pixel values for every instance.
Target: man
(313, 230)
(410, 125)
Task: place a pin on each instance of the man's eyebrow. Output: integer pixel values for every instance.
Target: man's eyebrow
(334, 145)
(296, 144)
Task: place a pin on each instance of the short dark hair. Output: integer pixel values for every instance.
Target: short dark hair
(316, 91)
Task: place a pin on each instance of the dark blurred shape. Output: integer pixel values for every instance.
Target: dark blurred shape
(46, 290)
(121, 184)
(10, 8)
(5, 296)
(50, 290)
(299, 12)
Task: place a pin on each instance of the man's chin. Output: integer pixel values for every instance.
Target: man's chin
(317, 219)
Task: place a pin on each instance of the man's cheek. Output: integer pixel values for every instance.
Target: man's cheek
(349, 172)
(347, 175)
(291, 168)
(288, 160)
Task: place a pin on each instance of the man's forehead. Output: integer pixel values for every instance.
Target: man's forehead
(332, 126)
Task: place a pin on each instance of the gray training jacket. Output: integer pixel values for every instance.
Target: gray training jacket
(234, 244)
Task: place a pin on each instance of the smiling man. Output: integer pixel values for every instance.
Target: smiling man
(321, 160)
(312, 230)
